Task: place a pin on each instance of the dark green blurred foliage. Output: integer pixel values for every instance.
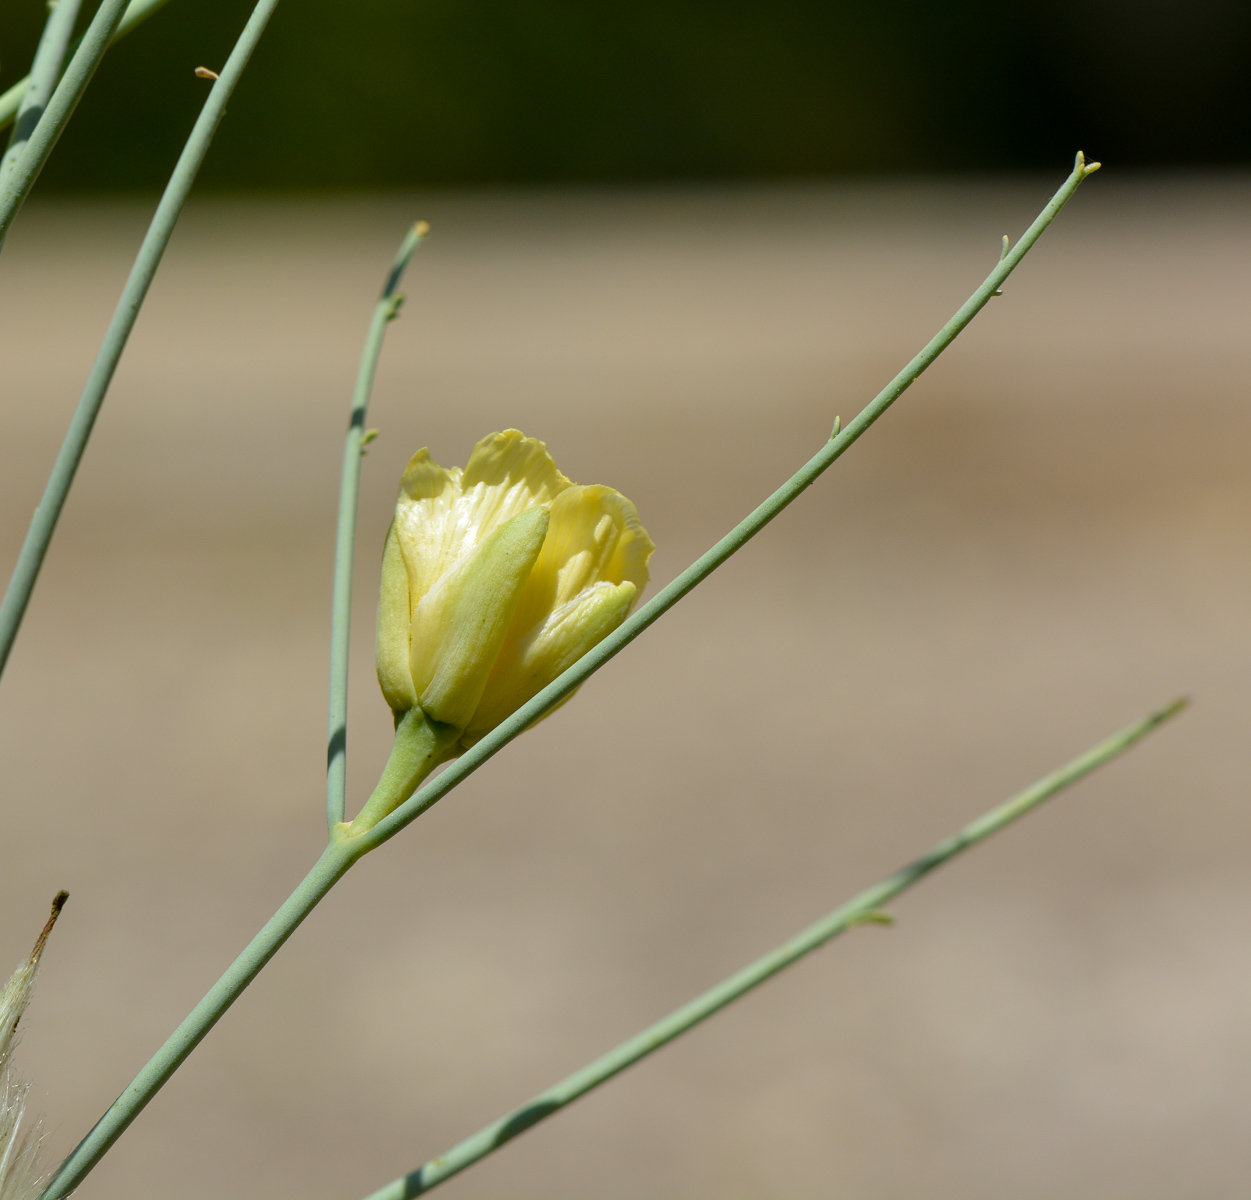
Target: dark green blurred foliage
(479, 91)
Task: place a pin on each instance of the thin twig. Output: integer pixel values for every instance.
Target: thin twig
(43, 523)
(138, 12)
(64, 100)
(864, 908)
(45, 70)
(668, 596)
(342, 852)
(345, 541)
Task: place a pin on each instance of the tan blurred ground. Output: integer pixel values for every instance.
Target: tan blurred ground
(1047, 537)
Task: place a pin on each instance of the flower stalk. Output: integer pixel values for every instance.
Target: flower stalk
(421, 744)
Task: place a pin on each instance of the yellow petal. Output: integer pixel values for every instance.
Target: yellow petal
(514, 472)
(394, 676)
(443, 516)
(425, 522)
(423, 478)
(459, 625)
(594, 536)
(592, 568)
(552, 648)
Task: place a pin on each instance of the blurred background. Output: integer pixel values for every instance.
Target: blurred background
(380, 92)
(674, 243)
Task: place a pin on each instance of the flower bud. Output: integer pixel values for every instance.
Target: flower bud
(497, 578)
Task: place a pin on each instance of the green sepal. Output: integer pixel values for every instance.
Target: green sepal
(459, 626)
(392, 637)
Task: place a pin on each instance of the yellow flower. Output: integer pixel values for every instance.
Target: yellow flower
(495, 579)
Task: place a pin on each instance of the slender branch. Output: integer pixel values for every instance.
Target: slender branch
(43, 523)
(864, 908)
(45, 70)
(385, 311)
(326, 872)
(60, 108)
(343, 851)
(668, 596)
(138, 12)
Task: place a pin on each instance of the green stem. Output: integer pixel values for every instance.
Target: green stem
(348, 849)
(865, 907)
(60, 108)
(329, 869)
(734, 541)
(43, 523)
(138, 12)
(420, 745)
(345, 541)
(40, 83)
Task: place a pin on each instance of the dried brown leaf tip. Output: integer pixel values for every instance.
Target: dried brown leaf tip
(19, 1147)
